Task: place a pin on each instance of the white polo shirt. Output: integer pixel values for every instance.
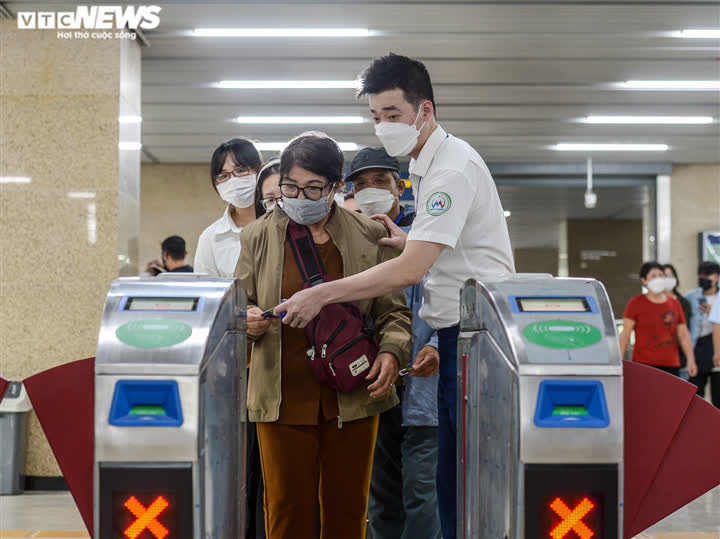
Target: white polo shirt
(218, 248)
(458, 206)
(714, 315)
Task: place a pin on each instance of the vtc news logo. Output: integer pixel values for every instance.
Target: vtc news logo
(92, 18)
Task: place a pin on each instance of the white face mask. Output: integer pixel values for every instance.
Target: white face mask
(398, 138)
(238, 191)
(339, 199)
(373, 201)
(670, 283)
(656, 285)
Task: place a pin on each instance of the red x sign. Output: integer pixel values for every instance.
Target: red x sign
(572, 520)
(146, 517)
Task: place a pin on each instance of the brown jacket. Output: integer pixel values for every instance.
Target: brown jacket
(260, 270)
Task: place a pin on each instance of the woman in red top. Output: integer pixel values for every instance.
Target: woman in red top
(659, 325)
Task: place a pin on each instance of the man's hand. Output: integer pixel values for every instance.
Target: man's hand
(692, 368)
(426, 363)
(397, 237)
(385, 369)
(302, 307)
(705, 307)
(257, 323)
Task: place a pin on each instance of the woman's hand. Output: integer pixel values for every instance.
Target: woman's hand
(397, 237)
(426, 363)
(257, 323)
(385, 369)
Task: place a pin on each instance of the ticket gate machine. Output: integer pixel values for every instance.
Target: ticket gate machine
(169, 409)
(540, 395)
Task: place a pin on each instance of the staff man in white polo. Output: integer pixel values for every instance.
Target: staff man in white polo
(459, 233)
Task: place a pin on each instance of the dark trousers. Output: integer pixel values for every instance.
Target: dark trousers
(703, 358)
(447, 431)
(255, 524)
(403, 492)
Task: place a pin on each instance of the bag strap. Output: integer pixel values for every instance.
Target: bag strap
(306, 254)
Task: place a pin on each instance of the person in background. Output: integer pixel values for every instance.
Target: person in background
(233, 170)
(702, 301)
(403, 495)
(714, 317)
(351, 204)
(267, 193)
(672, 283)
(172, 256)
(659, 325)
(315, 442)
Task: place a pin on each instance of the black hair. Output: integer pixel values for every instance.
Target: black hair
(708, 268)
(243, 152)
(318, 154)
(649, 266)
(271, 166)
(675, 274)
(174, 246)
(396, 71)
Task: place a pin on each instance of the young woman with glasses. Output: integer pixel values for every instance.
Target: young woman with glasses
(233, 167)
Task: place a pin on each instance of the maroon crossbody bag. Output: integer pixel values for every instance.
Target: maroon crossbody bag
(343, 343)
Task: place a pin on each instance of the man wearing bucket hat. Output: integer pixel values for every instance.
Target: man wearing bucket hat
(403, 495)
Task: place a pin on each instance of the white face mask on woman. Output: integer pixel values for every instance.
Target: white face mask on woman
(399, 138)
(670, 284)
(656, 285)
(238, 191)
(373, 201)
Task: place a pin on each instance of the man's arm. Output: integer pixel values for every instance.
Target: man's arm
(716, 344)
(397, 274)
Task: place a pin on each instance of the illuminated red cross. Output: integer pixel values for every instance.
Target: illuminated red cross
(572, 520)
(146, 517)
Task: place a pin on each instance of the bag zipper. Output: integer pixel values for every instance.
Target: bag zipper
(343, 349)
(335, 333)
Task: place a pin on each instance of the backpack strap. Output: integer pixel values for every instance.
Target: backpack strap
(306, 254)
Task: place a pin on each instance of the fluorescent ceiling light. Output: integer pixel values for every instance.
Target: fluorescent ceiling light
(14, 179)
(81, 194)
(508, 213)
(287, 84)
(280, 146)
(281, 32)
(130, 119)
(699, 33)
(614, 147)
(299, 119)
(647, 120)
(671, 84)
(130, 145)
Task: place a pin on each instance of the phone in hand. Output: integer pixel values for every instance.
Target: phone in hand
(702, 301)
(270, 314)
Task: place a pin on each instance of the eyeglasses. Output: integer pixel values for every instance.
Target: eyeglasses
(237, 173)
(270, 202)
(311, 192)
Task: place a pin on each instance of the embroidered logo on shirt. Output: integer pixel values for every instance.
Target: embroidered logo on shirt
(438, 203)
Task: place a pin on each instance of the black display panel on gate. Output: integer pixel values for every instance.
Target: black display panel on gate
(571, 501)
(146, 502)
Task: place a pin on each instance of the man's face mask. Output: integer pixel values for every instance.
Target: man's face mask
(399, 138)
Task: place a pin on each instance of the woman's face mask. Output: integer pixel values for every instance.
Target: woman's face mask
(238, 191)
(373, 201)
(670, 283)
(656, 285)
(305, 211)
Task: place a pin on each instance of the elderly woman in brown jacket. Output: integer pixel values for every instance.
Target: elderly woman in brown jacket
(315, 443)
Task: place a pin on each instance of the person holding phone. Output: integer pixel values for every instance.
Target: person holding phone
(316, 442)
(702, 301)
